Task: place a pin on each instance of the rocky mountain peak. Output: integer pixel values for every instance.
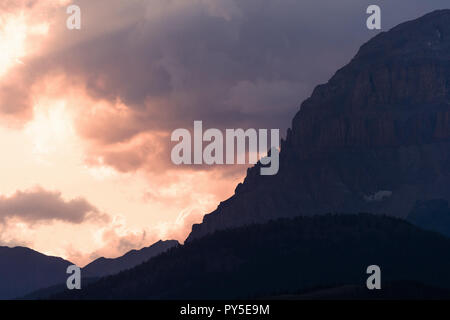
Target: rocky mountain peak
(374, 138)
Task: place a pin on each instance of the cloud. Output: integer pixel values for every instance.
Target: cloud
(378, 196)
(154, 66)
(158, 65)
(117, 239)
(39, 205)
(182, 226)
(12, 241)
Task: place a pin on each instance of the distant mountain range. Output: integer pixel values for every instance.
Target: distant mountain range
(30, 274)
(23, 270)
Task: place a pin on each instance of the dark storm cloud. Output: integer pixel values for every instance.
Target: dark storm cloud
(228, 63)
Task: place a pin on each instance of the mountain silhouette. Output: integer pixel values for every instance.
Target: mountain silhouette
(102, 267)
(23, 270)
(375, 138)
(107, 266)
(285, 257)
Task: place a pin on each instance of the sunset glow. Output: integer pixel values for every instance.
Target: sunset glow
(60, 146)
(86, 115)
(13, 35)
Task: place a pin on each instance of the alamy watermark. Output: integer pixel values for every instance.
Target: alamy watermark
(374, 281)
(74, 20)
(374, 20)
(74, 280)
(215, 152)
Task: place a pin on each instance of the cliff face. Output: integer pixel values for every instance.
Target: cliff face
(375, 138)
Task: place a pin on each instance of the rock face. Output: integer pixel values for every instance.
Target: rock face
(375, 138)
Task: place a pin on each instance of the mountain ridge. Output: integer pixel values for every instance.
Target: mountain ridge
(284, 257)
(24, 270)
(106, 266)
(103, 267)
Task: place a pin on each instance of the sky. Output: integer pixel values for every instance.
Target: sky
(86, 115)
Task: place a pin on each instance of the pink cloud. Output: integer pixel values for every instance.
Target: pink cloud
(39, 205)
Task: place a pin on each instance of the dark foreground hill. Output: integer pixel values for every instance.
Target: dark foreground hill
(284, 257)
(404, 290)
(23, 270)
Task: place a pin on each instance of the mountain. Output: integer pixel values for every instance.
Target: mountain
(432, 215)
(23, 270)
(288, 256)
(374, 138)
(104, 266)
